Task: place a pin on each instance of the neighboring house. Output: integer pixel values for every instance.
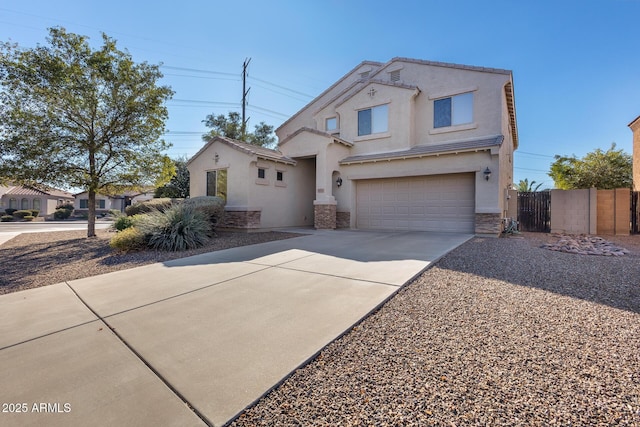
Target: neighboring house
(402, 145)
(45, 200)
(635, 128)
(105, 203)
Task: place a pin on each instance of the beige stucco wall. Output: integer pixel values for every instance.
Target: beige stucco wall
(109, 203)
(305, 118)
(400, 124)
(282, 204)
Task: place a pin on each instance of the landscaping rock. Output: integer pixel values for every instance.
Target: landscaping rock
(585, 245)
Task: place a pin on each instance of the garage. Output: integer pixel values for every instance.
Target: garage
(422, 203)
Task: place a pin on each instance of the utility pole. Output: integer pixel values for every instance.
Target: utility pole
(245, 92)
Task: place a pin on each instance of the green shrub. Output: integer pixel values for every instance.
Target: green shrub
(149, 206)
(9, 211)
(212, 207)
(62, 213)
(179, 228)
(123, 222)
(6, 218)
(67, 206)
(28, 218)
(130, 239)
(22, 213)
(115, 213)
(35, 212)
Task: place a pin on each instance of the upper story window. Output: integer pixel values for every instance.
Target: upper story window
(453, 110)
(261, 173)
(279, 176)
(331, 124)
(373, 120)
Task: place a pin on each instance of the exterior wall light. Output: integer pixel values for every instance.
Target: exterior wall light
(339, 181)
(487, 173)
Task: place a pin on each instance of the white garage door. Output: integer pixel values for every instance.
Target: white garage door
(422, 203)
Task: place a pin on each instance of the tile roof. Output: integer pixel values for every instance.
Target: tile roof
(250, 149)
(316, 132)
(32, 191)
(429, 150)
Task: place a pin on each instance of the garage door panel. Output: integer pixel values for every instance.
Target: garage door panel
(428, 203)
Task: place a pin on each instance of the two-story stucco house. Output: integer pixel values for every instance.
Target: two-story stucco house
(402, 145)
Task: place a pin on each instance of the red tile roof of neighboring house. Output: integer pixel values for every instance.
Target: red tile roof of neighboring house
(32, 191)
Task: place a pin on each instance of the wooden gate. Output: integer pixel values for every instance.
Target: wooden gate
(534, 211)
(635, 212)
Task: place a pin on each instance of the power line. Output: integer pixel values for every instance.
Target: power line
(533, 170)
(282, 87)
(195, 70)
(533, 154)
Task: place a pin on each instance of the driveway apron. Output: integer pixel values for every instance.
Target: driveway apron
(196, 340)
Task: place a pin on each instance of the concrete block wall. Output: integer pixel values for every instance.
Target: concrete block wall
(574, 211)
(613, 211)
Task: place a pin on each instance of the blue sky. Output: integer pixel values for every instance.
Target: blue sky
(576, 64)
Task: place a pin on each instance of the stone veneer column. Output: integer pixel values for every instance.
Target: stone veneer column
(343, 219)
(324, 215)
(245, 219)
(488, 223)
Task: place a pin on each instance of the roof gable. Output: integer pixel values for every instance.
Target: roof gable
(373, 65)
(316, 132)
(249, 149)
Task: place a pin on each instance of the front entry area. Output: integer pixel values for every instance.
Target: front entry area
(422, 203)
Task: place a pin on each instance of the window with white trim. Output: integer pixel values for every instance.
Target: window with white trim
(373, 120)
(453, 110)
(262, 173)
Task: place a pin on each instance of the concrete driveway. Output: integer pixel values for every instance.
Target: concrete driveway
(196, 340)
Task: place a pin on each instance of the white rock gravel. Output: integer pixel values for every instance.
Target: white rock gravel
(501, 332)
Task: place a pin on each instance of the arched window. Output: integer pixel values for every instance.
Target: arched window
(36, 204)
(13, 203)
(24, 204)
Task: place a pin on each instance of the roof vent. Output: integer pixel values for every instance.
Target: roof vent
(364, 75)
(394, 76)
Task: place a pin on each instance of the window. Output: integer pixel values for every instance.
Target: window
(24, 204)
(454, 110)
(217, 183)
(261, 173)
(373, 120)
(13, 203)
(36, 204)
(331, 124)
(279, 176)
(100, 203)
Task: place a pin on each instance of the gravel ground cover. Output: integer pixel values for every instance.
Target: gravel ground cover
(500, 332)
(31, 260)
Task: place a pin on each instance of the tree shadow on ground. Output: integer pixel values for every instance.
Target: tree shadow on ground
(607, 280)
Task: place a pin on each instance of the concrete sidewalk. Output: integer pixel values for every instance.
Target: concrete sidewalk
(196, 340)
